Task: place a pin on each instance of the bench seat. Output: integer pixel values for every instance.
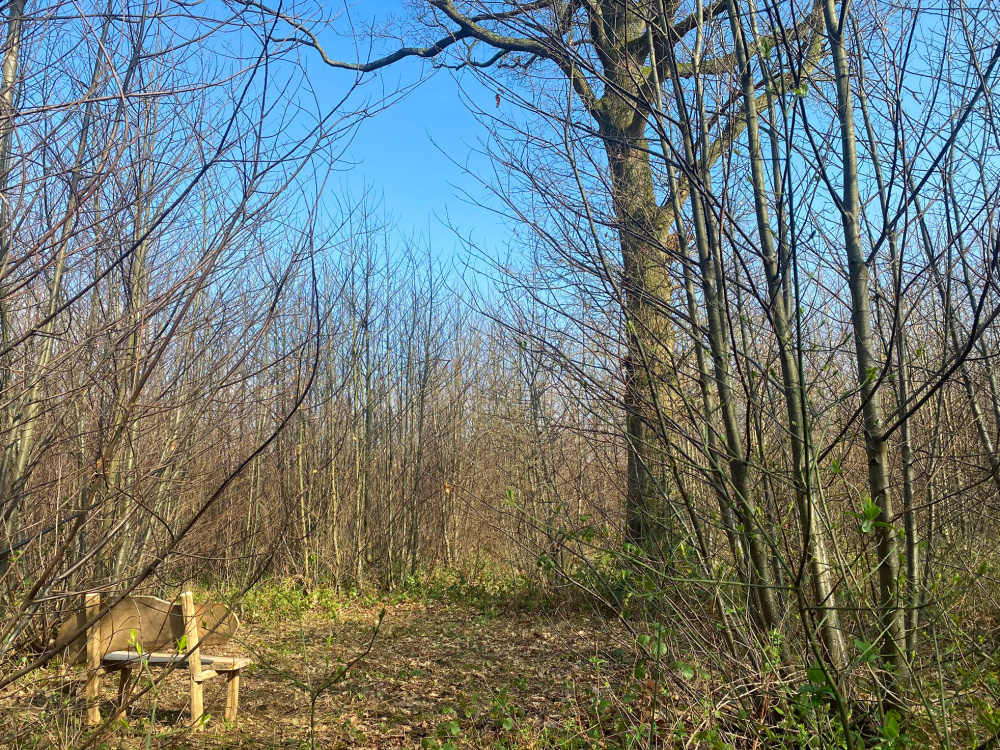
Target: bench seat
(119, 659)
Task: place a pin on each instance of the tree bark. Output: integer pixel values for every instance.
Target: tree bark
(876, 447)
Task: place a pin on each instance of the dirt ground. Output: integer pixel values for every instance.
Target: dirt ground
(438, 675)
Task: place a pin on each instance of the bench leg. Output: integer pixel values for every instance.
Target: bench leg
(92, 602)
(232, 694)
(93, 696)
(124, 691)
(197, 703)
(194, 658)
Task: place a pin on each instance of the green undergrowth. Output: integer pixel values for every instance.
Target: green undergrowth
(489, 590)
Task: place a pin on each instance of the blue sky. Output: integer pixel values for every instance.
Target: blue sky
(411, 153)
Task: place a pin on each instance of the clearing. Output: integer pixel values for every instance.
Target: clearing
(442, 672)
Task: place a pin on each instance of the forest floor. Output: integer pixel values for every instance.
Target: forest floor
(442, 672)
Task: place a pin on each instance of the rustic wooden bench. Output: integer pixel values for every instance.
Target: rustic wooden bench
(148, 632)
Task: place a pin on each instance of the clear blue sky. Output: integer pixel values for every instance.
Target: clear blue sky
(411, 153)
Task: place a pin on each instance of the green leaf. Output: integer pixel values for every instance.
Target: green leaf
(871, 509)
(686, 670)
(891, 728)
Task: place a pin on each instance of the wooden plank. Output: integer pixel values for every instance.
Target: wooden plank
(205, 674)
(92, 604)
(120, 659)
(226, 663)
(194, 657)
(232, 695)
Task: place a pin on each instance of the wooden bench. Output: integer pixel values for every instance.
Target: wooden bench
(147, 632)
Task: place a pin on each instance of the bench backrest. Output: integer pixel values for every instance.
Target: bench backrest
(155, 624)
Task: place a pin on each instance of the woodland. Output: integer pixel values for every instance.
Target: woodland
(707, 457)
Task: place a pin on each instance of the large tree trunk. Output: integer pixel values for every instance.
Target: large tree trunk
(646, 288)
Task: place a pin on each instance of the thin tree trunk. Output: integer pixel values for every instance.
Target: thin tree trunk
(893, 628)
(817, 559)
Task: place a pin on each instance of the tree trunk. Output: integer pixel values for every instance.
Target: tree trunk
(876, 447)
